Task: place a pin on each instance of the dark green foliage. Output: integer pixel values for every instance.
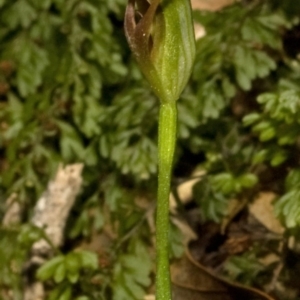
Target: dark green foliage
(131, 273)
(213, 192)
(15, 245)
(244, 268)
(65, 271)
(287, 206)
(279, 122)
(71, 92)
(232, 54)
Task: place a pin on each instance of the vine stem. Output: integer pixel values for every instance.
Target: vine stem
(166, 147)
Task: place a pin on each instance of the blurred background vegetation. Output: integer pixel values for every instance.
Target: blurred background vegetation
(70, 92)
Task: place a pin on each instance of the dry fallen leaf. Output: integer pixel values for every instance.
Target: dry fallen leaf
(262, 209)
(211, 5)
(185, 190)
(193, 281)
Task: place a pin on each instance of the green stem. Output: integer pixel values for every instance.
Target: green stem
(166, 147)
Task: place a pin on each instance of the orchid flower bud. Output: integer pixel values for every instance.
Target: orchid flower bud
(161, 36)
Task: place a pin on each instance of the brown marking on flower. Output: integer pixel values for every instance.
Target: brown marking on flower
(138, 33)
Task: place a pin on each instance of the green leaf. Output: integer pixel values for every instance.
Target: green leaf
(243, 80)
(267, 134)
(228, 88)
(70, 142)
(136, 291)
(267, 98)
(261, 126)
(132, 272)
(104, 146)
(244, 267)
(20, 13)
(87, 111)
(56, 292)
(264, 63)
(60, 272)
(261, 29)
(244, 61)
(47, 270)
(251, 118)
(224, 182)
(289, 136)
(292, 181)
(73, 265)
(42, 4)
(89, 259)
(211, 100)
(81, 225)
(121, 293)
(248, 180)
(288, 209)
(260, 156)
(29, 234)
(66, 294)
(73, 277)
(33, 61)
(278, 158)
(213, 204)
(99, 220)
(72, 262)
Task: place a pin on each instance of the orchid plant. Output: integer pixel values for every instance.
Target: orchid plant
(161, 36)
